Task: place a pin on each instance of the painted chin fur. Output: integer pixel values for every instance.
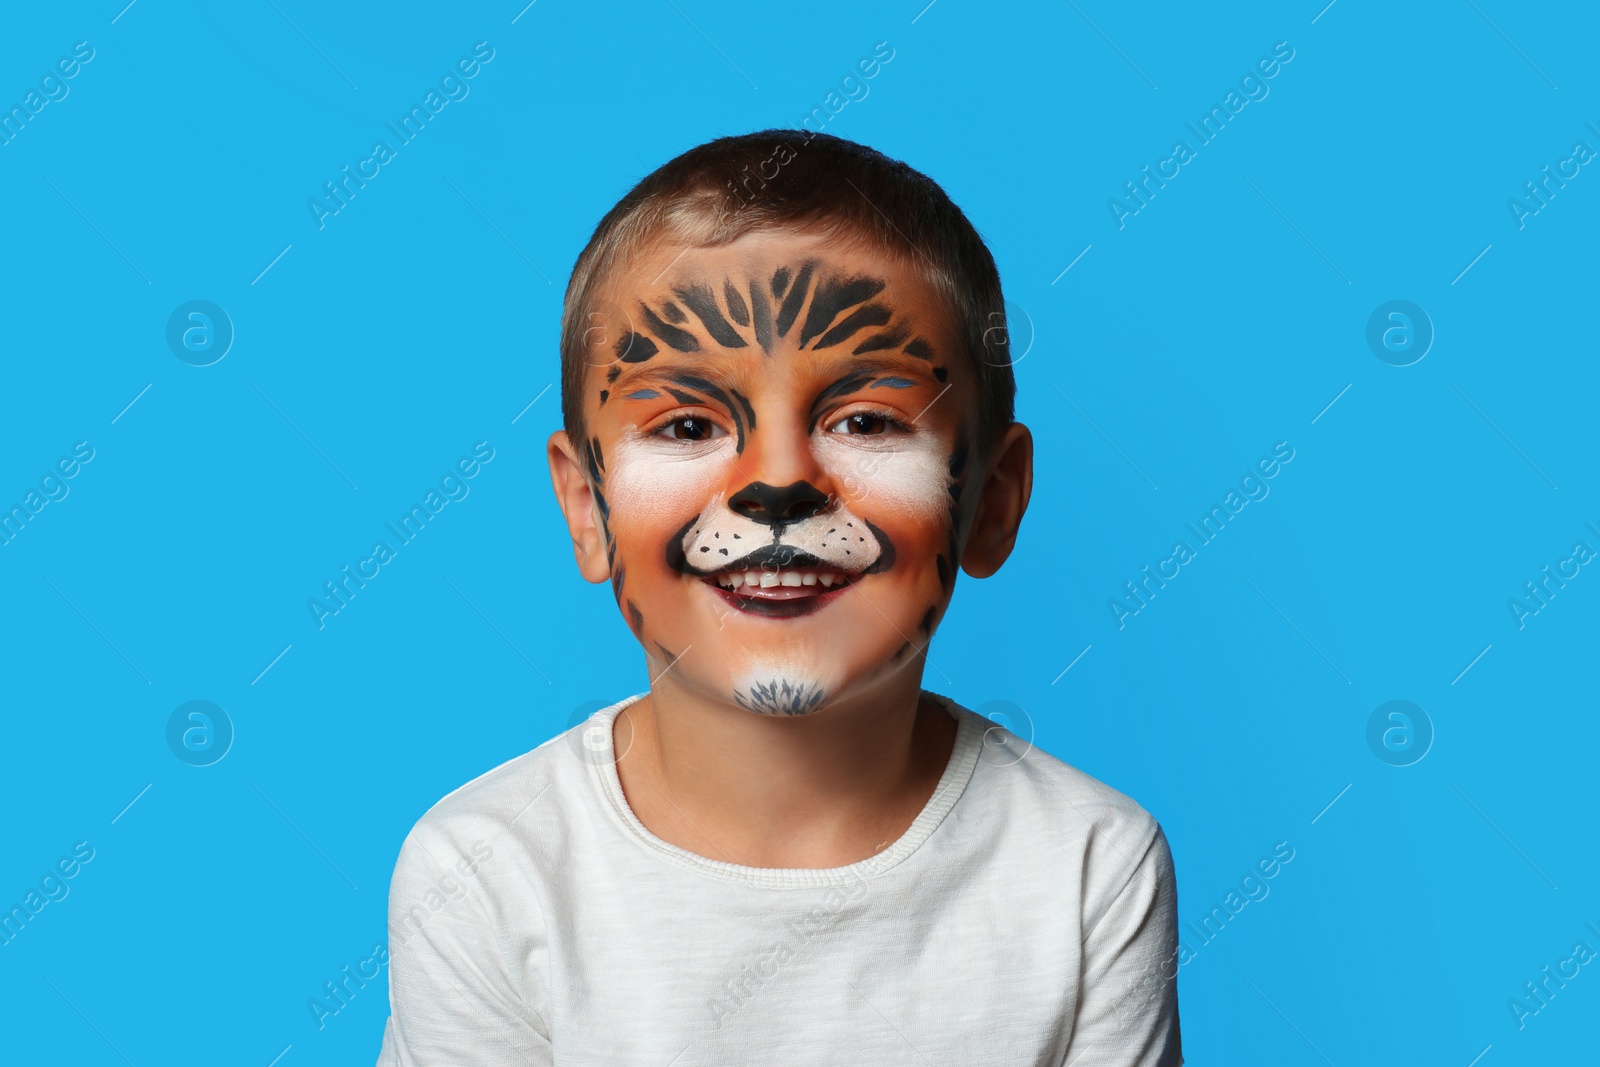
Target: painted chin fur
(766, 693)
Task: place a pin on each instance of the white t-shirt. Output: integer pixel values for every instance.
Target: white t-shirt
(1027, 917)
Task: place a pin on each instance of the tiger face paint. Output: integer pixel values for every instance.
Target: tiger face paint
(777, 454)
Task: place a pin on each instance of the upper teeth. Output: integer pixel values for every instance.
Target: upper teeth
(769, 579)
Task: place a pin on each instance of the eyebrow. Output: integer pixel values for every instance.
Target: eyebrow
(900, 370)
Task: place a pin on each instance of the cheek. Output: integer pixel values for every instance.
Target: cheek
(909, 484)
(647, 489)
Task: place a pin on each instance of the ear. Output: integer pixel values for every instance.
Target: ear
(577, 502)
(1002, 498)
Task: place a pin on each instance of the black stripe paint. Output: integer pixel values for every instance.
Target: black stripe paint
(685, 398)
(681, 340)
(829, 310)
(749, 412)
(886, 552)
(703, 303)
(792, 302)
(736, 308)
(761, 312)
(675, 558)
(854, 323)
(635, 347)
(879, 341)
(833, 297)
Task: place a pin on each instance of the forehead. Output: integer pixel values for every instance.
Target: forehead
(768, 296)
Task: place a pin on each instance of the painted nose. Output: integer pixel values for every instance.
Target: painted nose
(778, 505)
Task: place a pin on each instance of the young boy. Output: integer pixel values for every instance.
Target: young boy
(788, 422)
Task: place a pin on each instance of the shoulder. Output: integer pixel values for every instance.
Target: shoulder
(517, 807)
(1062, 797)
(1066, 817)
(477, 870)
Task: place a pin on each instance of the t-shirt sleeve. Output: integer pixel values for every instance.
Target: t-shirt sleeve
(1128, 999)
(452, 999)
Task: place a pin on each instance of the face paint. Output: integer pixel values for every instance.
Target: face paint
(780, 468)
(838, 311)
(786, 542)
(650, 479)
(912, 480)
(777, 690)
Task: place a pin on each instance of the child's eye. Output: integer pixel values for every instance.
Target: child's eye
(691, 428)
(870, 423)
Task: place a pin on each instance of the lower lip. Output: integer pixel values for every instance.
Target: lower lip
(791, 602)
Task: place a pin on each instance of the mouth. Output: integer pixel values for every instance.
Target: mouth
(801, 586)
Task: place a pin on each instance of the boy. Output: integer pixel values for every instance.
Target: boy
(788, 420)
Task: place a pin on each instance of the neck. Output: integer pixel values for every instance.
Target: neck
(824, 789)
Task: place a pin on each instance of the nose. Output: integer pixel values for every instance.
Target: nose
(775, 505)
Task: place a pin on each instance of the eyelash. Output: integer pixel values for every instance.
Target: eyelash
(892, 425)
(672, 418)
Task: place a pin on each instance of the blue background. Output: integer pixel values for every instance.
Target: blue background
(1223, 317)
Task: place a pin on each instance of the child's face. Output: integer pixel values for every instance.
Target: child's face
(779, 430)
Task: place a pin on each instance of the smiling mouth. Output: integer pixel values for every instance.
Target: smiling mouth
(780, 592)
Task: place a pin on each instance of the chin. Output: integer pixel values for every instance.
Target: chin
(774, 689)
